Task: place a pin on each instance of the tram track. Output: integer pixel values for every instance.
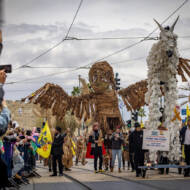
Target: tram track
(83, 186)
(125, 179)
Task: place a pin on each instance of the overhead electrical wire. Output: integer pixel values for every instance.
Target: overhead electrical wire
(56, 45)
(109, 55)
(112, 63)
(144, 39)
(116, 38)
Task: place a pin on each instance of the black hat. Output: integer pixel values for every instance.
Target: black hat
(137, 125)
(58, 129)
(28, 132)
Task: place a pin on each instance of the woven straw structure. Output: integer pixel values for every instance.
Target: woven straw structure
(134, 95)
(100, 104)
(101, 76)
(184, 67)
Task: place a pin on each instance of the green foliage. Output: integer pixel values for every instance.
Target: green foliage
(76, 91)
(141, 112)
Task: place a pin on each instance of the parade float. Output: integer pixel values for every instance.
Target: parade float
(100, 103)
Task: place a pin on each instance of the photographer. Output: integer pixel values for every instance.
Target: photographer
(5, 113)
(4, 120)
(117, 142)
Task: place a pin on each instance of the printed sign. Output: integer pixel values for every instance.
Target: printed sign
(156, 140)
(183, 112)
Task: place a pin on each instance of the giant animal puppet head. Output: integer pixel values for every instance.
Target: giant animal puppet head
(168, 37)
(101, 77)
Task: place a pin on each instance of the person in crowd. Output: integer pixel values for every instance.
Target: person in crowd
(125, 151)
(8, 142)
(18, 163)
(137, 140)
(185, 140)
(96, 140)
(69, 150)
(131, 150)
(108, 146)
(117, 141)
(80, 150)
(57, 151)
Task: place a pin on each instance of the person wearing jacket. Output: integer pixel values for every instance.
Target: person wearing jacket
(96, 141)
(117, 141)
(57, 151)
(131, 150)
(108, 146)
(18, 162)
(5, 113)
(185, 140)
(138, 151)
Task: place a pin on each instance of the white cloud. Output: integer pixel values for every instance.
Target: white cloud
(33, 27)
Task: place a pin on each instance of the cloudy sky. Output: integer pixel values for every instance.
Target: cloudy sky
(33, 26)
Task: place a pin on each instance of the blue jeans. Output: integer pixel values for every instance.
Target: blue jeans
(119, 156)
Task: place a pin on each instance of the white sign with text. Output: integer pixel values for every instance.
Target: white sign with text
(156, 140)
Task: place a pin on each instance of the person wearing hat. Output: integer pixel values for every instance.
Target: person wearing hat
(138, 151)
(185, 140)
(57, 151)
(117, 141)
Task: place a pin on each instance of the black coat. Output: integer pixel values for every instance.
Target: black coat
(3, 174)
(137, 140)
(131, 145)
(57, 145)
(182, 134)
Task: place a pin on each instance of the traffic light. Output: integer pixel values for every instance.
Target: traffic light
(135, 116)
(129, 123)
(117, 81)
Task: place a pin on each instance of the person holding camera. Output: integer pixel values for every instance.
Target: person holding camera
(117, 141)
(5, 113)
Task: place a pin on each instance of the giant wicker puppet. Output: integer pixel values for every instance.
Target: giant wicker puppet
(101, 103)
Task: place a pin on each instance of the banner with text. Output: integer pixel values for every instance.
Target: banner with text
(156, 140)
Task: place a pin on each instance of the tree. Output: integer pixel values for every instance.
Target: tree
(141, 113)
(76, 91)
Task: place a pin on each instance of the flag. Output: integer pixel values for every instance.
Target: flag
(2, 150)
(34, 147)
(183, 151)
(73, 147)
(44, 139)
(142, 125)
(187, 113)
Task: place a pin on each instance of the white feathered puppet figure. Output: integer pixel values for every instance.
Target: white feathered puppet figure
(162, 64)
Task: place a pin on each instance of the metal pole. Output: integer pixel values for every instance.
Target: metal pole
(79, 80)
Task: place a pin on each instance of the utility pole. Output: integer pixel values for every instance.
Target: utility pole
(79, 89)
(79, 80)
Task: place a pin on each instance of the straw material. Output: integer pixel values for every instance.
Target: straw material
(134, 95)
(99, 104)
